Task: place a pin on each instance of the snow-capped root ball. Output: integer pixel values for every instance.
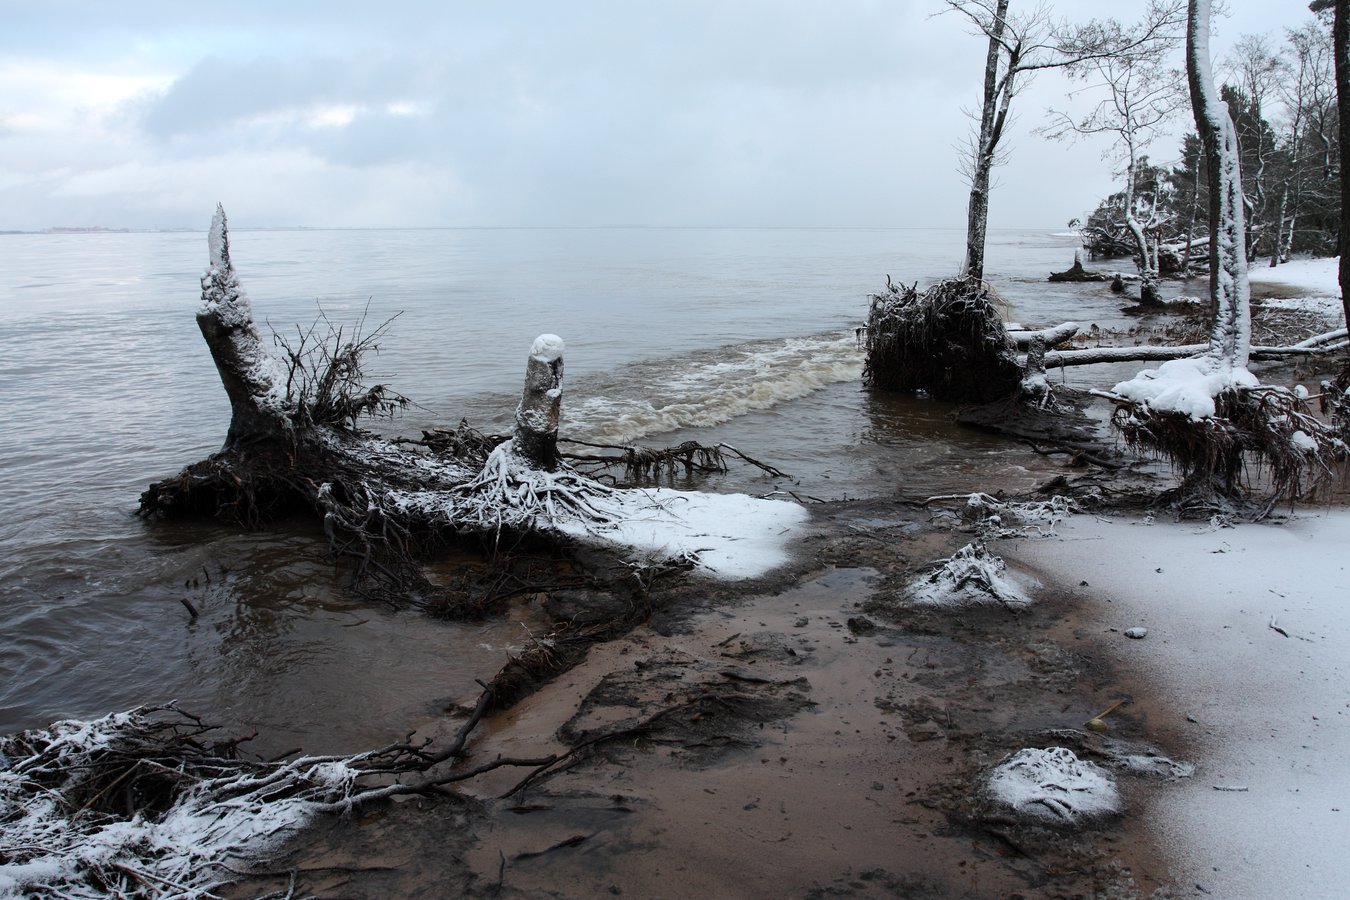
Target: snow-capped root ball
(971, 576)
(1052, 786)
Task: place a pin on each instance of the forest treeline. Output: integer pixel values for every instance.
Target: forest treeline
(1281, 96)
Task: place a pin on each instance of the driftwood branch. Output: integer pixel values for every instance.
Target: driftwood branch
(644, 463)
(1330, 342)
(1052, 336)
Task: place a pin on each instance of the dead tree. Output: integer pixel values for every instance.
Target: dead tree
(1142, 94)
(1076, 272)
(294, 444)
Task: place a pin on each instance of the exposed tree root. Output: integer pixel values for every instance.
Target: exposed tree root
(145, 804)
(294, 445)
(948, 341)
(1257, 432)
(1076, 272)
(648, 464)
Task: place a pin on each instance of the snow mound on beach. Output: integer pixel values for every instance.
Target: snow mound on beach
(1053, 785)
(971, 576)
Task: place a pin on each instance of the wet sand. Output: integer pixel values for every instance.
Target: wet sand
(809, 735)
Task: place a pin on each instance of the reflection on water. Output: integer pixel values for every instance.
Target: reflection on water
(280, 643)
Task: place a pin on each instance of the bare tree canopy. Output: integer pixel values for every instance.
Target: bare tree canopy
(1019, 46)
(1142, 94)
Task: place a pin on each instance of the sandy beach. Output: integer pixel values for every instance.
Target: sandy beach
(1067, 693)
(815, 732)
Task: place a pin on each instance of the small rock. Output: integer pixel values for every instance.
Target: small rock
(861, 625)
(926, 731)
(1137, 632)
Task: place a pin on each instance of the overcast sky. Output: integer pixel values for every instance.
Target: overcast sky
(144, 113)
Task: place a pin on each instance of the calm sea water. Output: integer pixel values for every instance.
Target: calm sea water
(738, 335)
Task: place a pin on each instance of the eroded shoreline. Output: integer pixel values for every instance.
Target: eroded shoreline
(807, 735)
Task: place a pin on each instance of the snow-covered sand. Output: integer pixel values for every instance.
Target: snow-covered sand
(1267, 813)
(1316, 276)
(1249, 637)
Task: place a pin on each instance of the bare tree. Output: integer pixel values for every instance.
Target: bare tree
(1143, 93)
(1304, 95)
(1019, 46)
(1253, 70)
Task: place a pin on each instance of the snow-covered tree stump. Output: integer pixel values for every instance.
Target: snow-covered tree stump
(537, 416)
(294, 444)
(252, 380)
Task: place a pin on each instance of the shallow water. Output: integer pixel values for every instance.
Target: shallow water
(736, 335)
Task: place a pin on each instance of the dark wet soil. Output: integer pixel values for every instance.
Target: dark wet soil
(810, 735)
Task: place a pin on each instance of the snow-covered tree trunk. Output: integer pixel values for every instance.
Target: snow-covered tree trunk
(1281, 222)
(1193, 207)
(1230, 335)
(253, 381)
(1340, 39)
(537, 416)
(1147, 252)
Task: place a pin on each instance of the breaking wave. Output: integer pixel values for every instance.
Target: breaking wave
(707, 388)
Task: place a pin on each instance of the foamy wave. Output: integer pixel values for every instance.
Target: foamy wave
(698, 392)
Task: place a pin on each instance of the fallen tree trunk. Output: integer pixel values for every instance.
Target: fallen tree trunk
(1330, 342)
(1052, 337)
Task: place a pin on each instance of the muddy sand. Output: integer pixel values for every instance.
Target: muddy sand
(811, 734)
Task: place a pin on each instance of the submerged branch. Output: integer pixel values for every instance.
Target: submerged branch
(648, 463)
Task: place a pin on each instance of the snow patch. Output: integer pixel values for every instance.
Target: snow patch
(547, 348)
(1329, 308)
(1262, 710)
(1303, 441)
(1186, 386)
(731, 536)
(1053, 785)
(1319, 277)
